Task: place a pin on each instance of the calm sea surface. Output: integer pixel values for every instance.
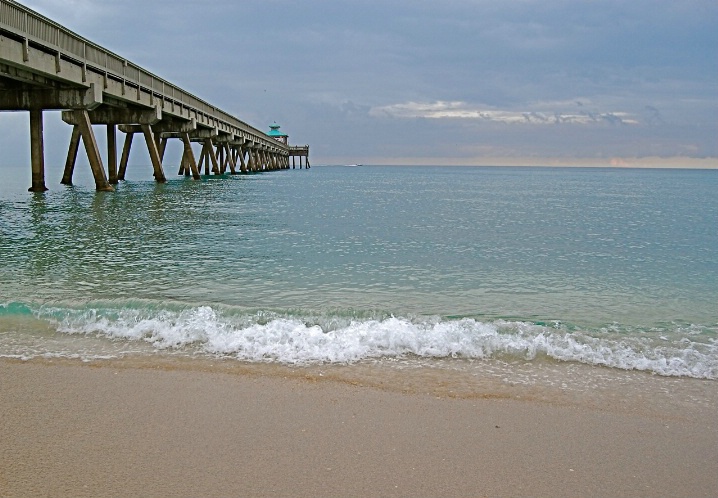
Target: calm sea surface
(423, 265)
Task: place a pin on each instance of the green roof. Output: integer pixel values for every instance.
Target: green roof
(274, 131)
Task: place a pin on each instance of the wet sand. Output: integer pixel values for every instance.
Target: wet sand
(114, 429)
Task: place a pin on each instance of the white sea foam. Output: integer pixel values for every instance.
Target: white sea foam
(293, 340)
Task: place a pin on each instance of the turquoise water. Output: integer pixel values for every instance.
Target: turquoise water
(607, 267)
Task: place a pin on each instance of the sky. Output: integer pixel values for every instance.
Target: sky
(600, 82)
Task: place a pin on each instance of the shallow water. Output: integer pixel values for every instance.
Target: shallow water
(432, 267)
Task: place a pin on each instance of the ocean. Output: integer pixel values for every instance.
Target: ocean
(527, 276)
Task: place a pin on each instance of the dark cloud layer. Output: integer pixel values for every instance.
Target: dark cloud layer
(365, 81)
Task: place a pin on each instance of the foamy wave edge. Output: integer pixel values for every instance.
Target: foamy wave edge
(292, 340)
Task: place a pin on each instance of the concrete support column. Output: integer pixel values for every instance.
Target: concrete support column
(232, 160)
(221, 159)
(184, 166)
(159, 174)
(93, 153)
(188, 157)
(208, 156)
(184, 163)
(71, 156)
(212, 156)
(112, 153)
(256, 162)
(229, 160)
(125, 155)
(37, 152)
(250, 160)
(243, 165)
(162, 145)
(234, 153)
(203, 160)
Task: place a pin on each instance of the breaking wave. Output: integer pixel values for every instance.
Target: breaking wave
(305, 338)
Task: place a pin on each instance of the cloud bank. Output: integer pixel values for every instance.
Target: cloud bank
(463, 110)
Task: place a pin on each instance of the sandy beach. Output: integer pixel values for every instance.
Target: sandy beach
(113, 429)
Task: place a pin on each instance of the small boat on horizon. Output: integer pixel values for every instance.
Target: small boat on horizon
(353, 165)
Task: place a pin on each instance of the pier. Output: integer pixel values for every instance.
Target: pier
(45, 66)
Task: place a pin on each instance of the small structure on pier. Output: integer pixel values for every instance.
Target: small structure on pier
(276, 134)
(300, 151)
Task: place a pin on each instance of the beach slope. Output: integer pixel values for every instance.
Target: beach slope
(70, 429)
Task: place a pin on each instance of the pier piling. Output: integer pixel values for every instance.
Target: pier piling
(71, 156)
(112, 154)
(37, 154)
(93, 152)
(125, 155)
